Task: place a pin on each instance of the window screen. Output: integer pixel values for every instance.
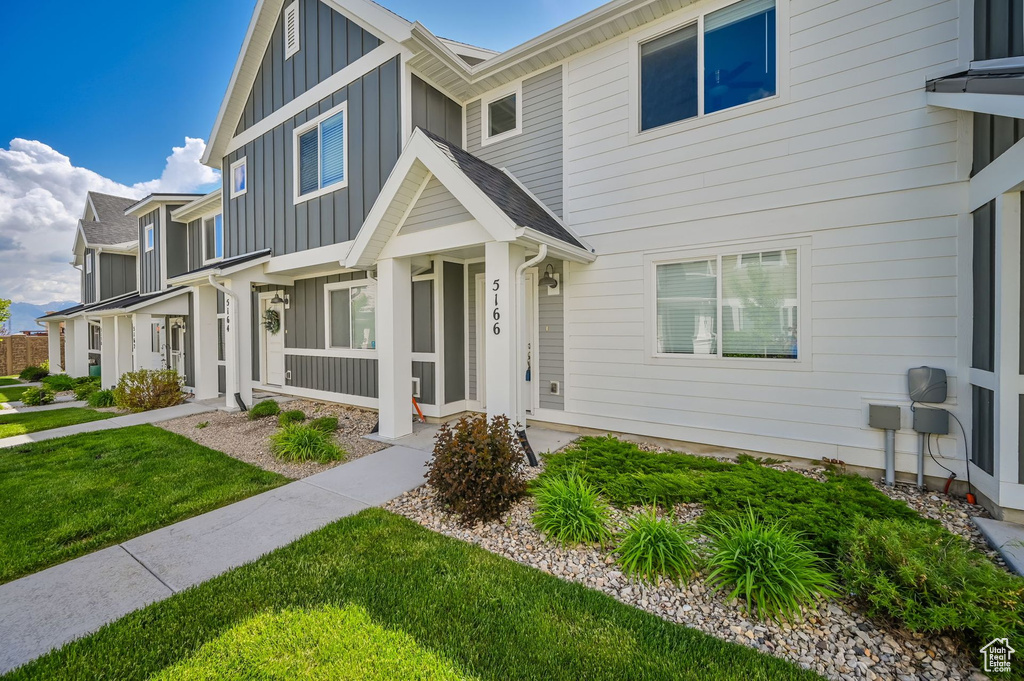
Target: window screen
(759, 298)
(668, 78)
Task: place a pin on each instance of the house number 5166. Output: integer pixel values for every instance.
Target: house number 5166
(496, 314)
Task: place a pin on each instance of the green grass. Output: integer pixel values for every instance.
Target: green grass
(492, 617)
(70, 496)
(12, 394)
(33, 422)
(9, 380)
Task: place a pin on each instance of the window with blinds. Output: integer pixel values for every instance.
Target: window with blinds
(320, 150)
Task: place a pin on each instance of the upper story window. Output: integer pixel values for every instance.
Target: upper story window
(88, 263)
(213, 238)
(150, 237)
(744, 305)
(352, 315)
(239, 177)
(502, 115)
(320, 150)
(733, 47)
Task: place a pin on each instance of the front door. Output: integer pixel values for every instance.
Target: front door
(530, 355)
(176, 345)
(272, 323)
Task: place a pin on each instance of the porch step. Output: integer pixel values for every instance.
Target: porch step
(1007, 539)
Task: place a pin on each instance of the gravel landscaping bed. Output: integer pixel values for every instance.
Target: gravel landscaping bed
(238, 437)
(834, 640)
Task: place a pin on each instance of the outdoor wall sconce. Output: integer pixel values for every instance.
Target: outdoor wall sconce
(548, 279)
(278, 300)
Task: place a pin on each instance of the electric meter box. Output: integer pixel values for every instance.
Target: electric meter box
(927, 384)
(884, 416)
(934, 421)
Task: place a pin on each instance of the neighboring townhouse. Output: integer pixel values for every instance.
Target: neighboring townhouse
(730, 223)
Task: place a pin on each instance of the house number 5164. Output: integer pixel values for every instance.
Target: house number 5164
(496, 314)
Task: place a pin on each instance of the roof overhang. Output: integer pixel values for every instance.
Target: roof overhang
(222, 268)
(154, 201)
(167, 302)
(201, 207)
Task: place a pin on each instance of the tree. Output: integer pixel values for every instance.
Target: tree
(5, 314)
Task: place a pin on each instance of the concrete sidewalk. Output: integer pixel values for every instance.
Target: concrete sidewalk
(155, 416)
(45, 610)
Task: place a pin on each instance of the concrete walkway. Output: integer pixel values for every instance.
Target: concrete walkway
(1007, 539)
(62, 401)
(155, 416)
(45, 610)
(19, 407)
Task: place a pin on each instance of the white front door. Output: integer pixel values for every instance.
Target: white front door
(481, 341)
(273, 344)
(176, 345)
(530, 354)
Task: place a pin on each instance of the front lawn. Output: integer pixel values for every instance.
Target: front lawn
(449, 603)
(33, 422)
(9, 394)
(9, 380)
(70, 496)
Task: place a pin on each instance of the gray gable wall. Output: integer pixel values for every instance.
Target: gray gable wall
(177, 245)
(435, 112)
(89, 278)
(149, 261)
(117, 275)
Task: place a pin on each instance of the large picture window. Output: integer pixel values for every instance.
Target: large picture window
(733, 47)
(743, 305)
(352, 315)
(320, 149)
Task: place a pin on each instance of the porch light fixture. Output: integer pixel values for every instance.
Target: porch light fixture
(278, 300)
(549, 277)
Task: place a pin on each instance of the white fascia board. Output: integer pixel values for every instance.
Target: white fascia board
(556, 247)
(1002, 175)
(154, 201)
(201, 207)
(1011, 106)
(467, 50)
(313, 257)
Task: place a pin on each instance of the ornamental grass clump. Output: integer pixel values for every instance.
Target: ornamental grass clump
(101, 399)
(773, 569)
(289, 417)
(37, 397)
(34, 373)
(83, 390)
(264, 409)
(477, 468)
(653, 547)
(570, 510)
(59, 383)
(328, 424)
(148, 389)
(299, 443)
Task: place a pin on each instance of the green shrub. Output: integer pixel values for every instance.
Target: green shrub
(291, 416)
(653, 547)
(101, 399)
(148, 389)
(35, 397)
(328, 424)
(264, 409)
(931, 580)
(202, 424)
(84, 380)
(767, 564)
(59, 383)
(570, 510)
(477, 468)
(83, 390)
(297, 443)
(33, 373)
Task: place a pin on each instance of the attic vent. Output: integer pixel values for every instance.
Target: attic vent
(291, 30)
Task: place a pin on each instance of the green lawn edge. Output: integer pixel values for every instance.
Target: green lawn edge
(38, 421)
(12, 393)
(495, 618)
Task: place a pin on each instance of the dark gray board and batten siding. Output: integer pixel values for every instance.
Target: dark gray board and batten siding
(195, 245)
(117, 275)
(176, 242)
(433, 111)
(89, 278)
(998, 29)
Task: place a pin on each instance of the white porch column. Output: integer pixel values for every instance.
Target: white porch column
(142, 341)
(76, 347)
(394, 346)
(108, 353)
(238, 341)
(203, 325)
(53, 348)
(502, 326)
(123, 346)
(1009, 382)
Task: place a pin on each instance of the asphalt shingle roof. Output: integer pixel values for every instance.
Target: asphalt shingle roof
(112, 225)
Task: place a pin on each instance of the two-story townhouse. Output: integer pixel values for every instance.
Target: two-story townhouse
(730, 223)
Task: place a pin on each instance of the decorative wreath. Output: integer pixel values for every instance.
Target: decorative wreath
(272, 321)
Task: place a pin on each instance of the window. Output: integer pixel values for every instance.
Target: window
(221, 334)
(502, 115)
(352, 315)
(735, 50)
(239, 177)
(744, 305)
(88, 263)
(150, 237)
(213, 238)
(291, 30)
(320, 151)
(155, 340)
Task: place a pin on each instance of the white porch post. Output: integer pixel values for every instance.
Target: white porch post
(53, 348)
(142, 342)
(108, 354)
(238, 341)
(502, 326)
(76, 346)
(1009, 384)
(394, 346)
(123, 346)
(204, 325)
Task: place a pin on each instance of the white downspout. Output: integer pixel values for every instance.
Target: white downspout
(520, 416)
(237, 336)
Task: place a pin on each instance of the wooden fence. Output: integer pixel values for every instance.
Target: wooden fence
(18, 352)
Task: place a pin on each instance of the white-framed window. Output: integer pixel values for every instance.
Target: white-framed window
(213, 238)
(721, 59)
(501, 114)
(239, 177)
(88, 263)
(740, 305)
(291, 30)
(150, 236)
(320, 157)
(351, 315)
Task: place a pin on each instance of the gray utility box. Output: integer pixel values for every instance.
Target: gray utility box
(884, 417)
(927, 420)
(927, 384)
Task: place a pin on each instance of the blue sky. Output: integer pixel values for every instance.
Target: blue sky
(115, 84)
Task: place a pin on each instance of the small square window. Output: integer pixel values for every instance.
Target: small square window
(150, 237)
(501, 115)
(88, 263)
(239, 177)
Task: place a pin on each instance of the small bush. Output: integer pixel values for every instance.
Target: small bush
(264, 409)
(570, 510)
(297, 443)
(33, 373)
(101, 399)
(83, 390)
(202, 424)
(770, 566)
(930, 580)
(59, 383)
(291, 416)
(477, 469)
(148, 389)
(328, 424)
(84, 380)
(35, 397)
(654, 547)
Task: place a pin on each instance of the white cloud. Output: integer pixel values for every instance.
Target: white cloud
(42, 196)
